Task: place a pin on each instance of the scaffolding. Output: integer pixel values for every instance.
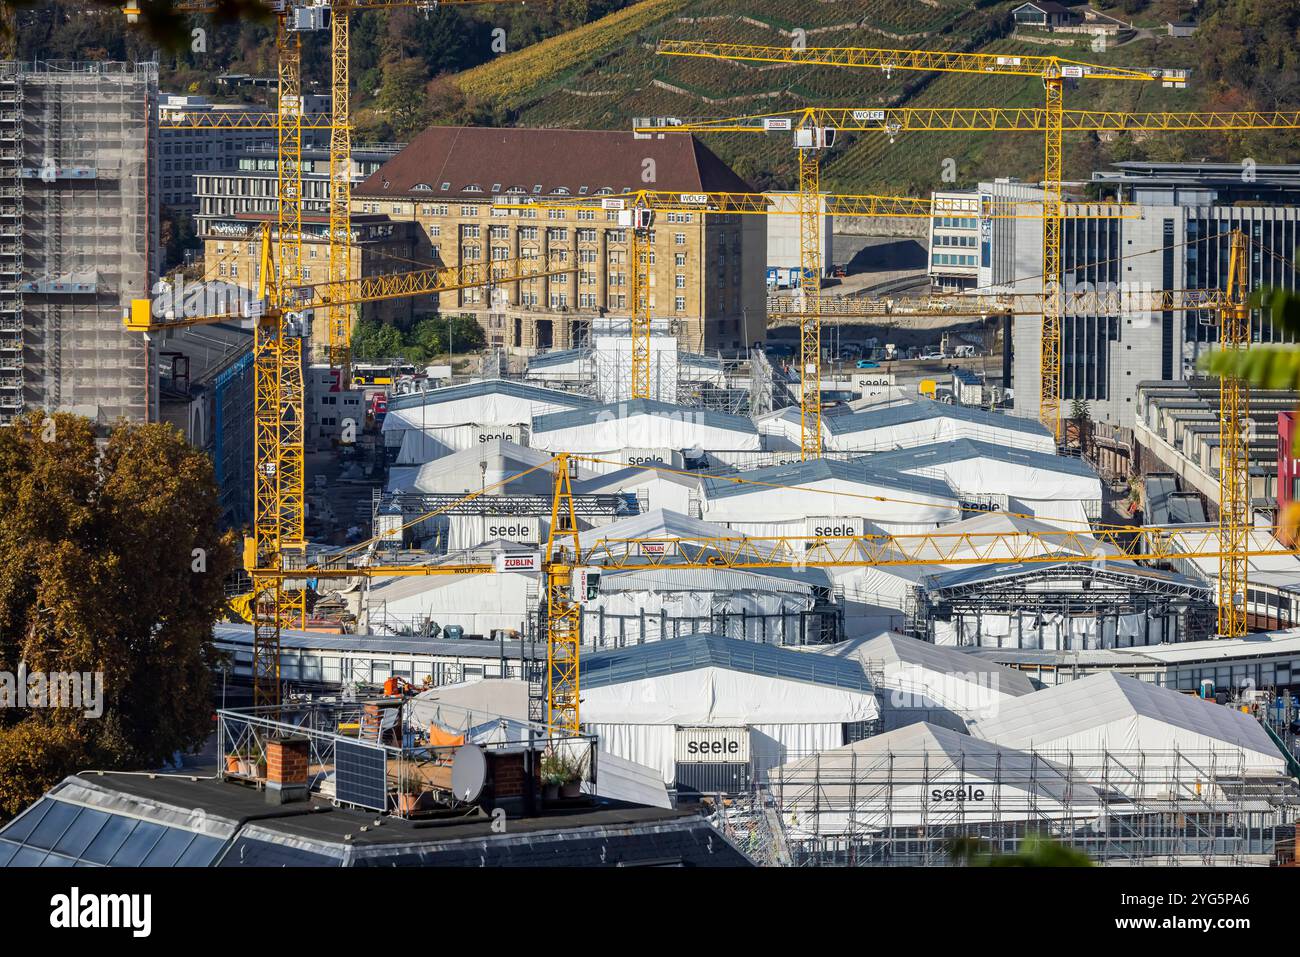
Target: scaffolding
(924, 807)
(1068, 606)
(78, 235)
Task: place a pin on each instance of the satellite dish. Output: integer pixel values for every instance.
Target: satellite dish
(468, 772)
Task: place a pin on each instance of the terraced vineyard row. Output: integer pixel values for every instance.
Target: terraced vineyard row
(628, 80)
(517, 76)
(916, 160)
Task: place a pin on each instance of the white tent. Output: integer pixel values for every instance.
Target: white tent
(1138, 724)
(488, 402)
(804, 497)
(645, 424)
(995, 535)
(463, 416)
(659, 488)
(477, 468)
(784, 702)
(919, 681)
(657, 523)
(478, 603)
(923, 775)
(1051, 488)
(901, 425)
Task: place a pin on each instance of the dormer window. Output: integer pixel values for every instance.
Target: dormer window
(473, 188)
(423, 187)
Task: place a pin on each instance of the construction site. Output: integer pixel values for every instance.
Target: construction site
(621, 564)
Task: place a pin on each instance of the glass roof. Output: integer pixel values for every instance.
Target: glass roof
(55, 833)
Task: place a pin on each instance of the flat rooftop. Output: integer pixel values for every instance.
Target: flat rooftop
(314, 832)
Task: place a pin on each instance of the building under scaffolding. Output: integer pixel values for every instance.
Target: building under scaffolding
(602, 369)
(913, 796)
(78, 236)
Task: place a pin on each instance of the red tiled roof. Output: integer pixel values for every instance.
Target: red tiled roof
(554, 159)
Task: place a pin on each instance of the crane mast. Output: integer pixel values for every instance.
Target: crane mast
(274, 554)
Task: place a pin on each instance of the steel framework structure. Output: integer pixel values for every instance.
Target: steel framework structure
(1119, 807)
(1052, 70)
(809, 205)
(1234, 454)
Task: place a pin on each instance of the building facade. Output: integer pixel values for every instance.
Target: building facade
(457, 185)
(78, 237)
(187, 151)
(1180, 239)
(235, 207)
(954, 247)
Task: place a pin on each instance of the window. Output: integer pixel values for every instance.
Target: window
(679, 281)
(679, 260)
(679, 239)
(679, 304)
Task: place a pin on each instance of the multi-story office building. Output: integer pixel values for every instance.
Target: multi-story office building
(78, 237)
(234, 208)
(1179, 237)
(185, 151)
(250, 188)
(706, 273)
(954, 247)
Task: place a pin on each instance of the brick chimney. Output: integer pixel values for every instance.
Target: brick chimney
(287, 759)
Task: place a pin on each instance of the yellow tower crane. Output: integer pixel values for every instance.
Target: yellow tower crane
(893, 121)
(637, 210)
(1235, 519)
(1052, 70)
(279, 481)
(566, 562)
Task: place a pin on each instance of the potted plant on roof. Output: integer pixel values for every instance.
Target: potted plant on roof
(552, 772)
(246, 761)
(411, 797)
(571, 786)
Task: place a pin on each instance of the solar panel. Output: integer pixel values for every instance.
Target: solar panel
(361, 774)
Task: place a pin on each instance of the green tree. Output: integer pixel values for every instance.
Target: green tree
(110, 561)
(371, 340)
(402, 98)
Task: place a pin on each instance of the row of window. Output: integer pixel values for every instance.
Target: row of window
(967, 241)
(954, 259)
